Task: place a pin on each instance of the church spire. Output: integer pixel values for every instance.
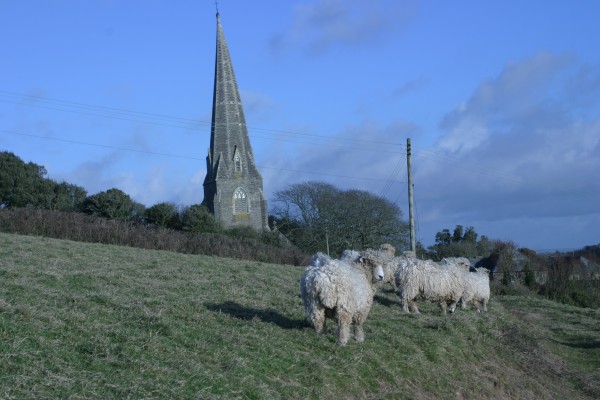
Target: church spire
(233, 188)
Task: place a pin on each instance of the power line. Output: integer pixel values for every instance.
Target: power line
(193, 124)
(273, 134)
(149, 118)
(74, 104)
(183, 157)
(395, 172)
(101, 145)
(312, 143)
(463, 164)
(333, 175)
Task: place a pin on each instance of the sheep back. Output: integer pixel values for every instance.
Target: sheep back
(422, 279)
(460, 263)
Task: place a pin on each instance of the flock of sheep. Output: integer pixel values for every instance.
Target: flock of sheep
(343, 289)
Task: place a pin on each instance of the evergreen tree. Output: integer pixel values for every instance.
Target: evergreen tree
(23, 184)
(164, 215)
(114, 204)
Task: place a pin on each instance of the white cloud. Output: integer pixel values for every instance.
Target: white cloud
(320, 25)
(409, 86)
(367, 157)
(519, 149)
(258, 107)
(517, 160)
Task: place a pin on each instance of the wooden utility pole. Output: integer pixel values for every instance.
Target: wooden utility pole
(327, 238)
(411, 213)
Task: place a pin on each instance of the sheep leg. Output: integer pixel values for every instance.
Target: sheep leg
(413, 307)
(442, 305)
(343, 327)
(359, 332)
(317, 319)
(405, 306)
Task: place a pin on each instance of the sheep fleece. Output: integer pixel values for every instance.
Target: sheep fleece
(477, 289)
(332, 287)
(424, 280)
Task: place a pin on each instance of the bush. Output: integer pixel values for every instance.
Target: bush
(514, 289)
(529, 277)
(113, 204)
(197, 218)
(164, 215)
(89, 228)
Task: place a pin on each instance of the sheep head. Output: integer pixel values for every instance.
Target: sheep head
(483, 271)
(388, 249)
(372, 262)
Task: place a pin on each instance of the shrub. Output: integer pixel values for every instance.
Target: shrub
(529, 277)
(197, 218)
(164, 215)
(89, 228)
(113, 204)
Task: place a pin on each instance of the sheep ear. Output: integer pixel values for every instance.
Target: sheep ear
(361, 259)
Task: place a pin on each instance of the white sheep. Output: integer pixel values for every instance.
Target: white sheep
(476, 289)
(385, 254)
(461, 263)
(341, 290)
(424, 279)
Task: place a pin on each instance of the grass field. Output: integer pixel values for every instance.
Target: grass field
(86, 321)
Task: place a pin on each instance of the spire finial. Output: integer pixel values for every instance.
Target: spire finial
(217, 7)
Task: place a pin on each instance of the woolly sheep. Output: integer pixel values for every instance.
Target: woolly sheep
(341, 290)
(476, 289)
(387, 253)
(386, 256)
(388, 249)
(424, 279)
(461, 263)
(348, 256)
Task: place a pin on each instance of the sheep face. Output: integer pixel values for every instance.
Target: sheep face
(374, 268)
(388, 249)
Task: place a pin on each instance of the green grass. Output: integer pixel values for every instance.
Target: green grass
(84, 321)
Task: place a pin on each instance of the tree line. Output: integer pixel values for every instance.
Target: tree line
(26, 185)
(312, 216)
(462, 242)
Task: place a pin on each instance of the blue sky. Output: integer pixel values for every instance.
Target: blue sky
(501, 100)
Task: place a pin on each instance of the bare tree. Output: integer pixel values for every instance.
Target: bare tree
(312, 213)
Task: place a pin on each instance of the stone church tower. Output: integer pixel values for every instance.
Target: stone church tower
(233, 187)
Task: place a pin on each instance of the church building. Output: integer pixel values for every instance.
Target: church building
(233, 187)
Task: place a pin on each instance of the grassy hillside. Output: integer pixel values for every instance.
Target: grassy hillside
(85, 321)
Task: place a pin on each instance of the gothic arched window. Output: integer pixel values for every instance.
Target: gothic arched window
(240, 201)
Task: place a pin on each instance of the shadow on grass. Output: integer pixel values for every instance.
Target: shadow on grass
(269, 315)
(384, 301)
(580, 345)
